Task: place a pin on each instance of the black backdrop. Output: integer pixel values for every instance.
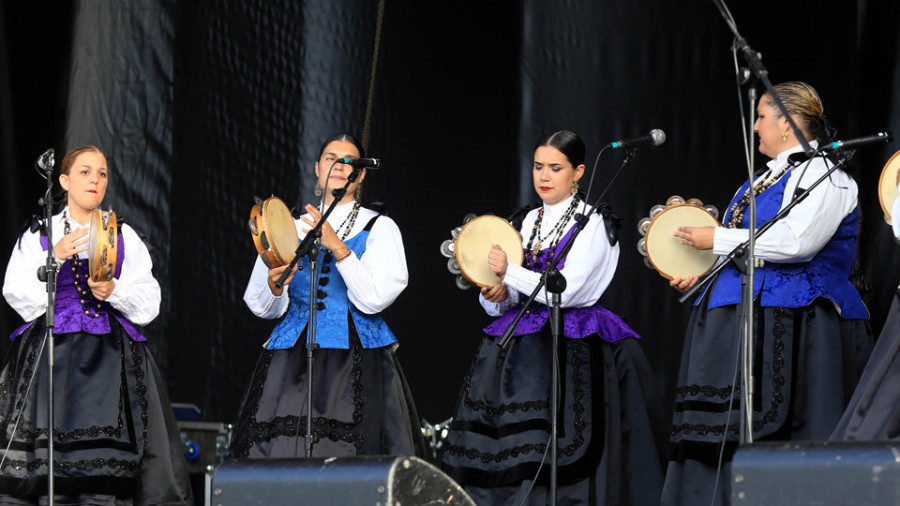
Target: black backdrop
(202, 105)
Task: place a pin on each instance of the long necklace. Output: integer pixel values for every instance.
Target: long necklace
(740, 207)
(83, 293)
(555, 233)
(349, 221)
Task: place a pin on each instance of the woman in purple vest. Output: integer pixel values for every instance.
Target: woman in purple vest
(115, 438)
(608, 404)
(361, 402)
(812, 327)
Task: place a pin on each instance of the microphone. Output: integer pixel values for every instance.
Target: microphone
(361, 163)
(849, 143)
(46, 161)
(859, 141)
(654, 138)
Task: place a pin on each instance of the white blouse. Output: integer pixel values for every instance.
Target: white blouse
(136, 294)
(810, 225)
(589, 266)
(374, 281)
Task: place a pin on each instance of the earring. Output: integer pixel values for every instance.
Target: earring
(784, 133)
(317, 189)
(358, 193)
(574, 187)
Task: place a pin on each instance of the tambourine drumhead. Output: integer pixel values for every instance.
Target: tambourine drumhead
(102, 245)
(475, 241)
(887, 185)
(273, 232)
(282, 233)
(665, 251)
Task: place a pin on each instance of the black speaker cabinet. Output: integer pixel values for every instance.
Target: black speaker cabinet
(349, 481)
(817, 473)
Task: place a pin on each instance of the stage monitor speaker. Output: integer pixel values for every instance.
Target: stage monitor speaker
(807, 473)
(385, 481)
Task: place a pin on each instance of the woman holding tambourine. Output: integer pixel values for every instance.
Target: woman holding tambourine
(873, 412)
(361, 402)
(812, 335)
(501, 430)
(115, 437)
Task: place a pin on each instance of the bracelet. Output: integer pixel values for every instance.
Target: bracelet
(343, 256)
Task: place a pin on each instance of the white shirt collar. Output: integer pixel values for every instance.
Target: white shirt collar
(782, 159)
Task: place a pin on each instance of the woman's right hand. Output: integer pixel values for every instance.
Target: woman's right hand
(684, 284)
(275, 274)
(71, 244)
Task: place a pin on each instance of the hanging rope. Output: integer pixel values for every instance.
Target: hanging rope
(367, 124)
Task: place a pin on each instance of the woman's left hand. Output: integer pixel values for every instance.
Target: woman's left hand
(498, 293)
(696, 237)
(329, 239)
(101, 289)
(497, 260)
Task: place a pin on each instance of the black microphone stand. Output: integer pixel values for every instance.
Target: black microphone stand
(48, 273)
(746, 263)
(556, 284)
(309, 248)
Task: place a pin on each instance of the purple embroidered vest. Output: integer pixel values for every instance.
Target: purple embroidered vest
(578, 322)
(70, 315)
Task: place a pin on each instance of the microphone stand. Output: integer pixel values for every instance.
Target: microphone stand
(746, 261)
(556, 284)
(48, 273)
(309, 248)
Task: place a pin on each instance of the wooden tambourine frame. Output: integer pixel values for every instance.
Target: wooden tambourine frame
(273, 232)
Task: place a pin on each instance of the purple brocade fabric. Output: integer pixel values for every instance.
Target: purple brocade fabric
(578, 322)
(70, 315)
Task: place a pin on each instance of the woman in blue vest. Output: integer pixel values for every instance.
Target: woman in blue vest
(115, 438)
(812, 335)
(361, 402)
(609, 407)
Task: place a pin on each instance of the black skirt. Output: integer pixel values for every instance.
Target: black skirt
(115, 437)
(361, 405)
(609, 416)
(874, 409)
(806, 363)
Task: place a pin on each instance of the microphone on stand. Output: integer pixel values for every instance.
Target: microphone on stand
(847, 144)
(361, 163)
(654, 138)
(46, 161)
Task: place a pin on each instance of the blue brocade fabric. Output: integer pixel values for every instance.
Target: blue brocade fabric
(796, 285)
(332, 306)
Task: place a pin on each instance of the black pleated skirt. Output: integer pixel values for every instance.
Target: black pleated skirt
(115, 437)
(874, 409)
(608, 424)
(361, 405)
(807, 362)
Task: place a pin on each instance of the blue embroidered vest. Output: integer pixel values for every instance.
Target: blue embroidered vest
(796, 284)
(332, 328)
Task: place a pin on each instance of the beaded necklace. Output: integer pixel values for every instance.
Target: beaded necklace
(740, 207)
(83, 292)
(555, 233)
(349, 221)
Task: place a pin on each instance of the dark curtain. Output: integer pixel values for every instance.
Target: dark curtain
(250, 88)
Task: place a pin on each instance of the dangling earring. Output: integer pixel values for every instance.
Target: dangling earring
(784, 133)
(574, 187)
(358, 193)
(317, 189)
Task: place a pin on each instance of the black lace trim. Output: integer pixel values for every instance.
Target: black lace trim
(500, 409)
(777, 398)
(579, 350)
(251, 431)
(78, 465)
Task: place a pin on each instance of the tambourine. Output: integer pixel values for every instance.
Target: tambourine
(887, 185)
(103, 245)
(663, 251)
(469, 247)
(273, 232)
